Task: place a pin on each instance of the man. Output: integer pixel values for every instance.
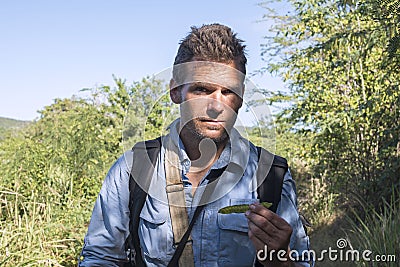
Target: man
(208, 84)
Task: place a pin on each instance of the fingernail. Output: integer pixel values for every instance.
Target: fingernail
(252, 207)
(247, 213)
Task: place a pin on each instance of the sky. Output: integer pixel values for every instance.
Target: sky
(53, 49)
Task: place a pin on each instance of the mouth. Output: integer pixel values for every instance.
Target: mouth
(211, 121)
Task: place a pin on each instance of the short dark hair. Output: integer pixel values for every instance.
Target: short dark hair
(213, 42)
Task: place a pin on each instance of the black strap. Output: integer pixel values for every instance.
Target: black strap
(270, 190)
(137, 197)
(212, 176)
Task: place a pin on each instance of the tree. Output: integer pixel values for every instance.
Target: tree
(343, 91)
(51, 172)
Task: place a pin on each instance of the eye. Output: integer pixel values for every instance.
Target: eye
(200, 89)
(228, 92)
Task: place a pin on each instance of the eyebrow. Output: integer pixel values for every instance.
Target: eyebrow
(202, 84)
(207, 85)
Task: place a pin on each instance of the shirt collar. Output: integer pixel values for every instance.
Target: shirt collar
(236, 151)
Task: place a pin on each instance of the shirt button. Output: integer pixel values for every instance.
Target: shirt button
(186, 163)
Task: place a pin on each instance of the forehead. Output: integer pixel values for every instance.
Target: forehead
(221, 74)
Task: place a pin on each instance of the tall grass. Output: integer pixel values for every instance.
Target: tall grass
(37, 233)
(50, 175)
(379, 232)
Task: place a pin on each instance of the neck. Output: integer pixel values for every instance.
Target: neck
(203, 152)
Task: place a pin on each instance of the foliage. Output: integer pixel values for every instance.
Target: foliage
(149, 113)
(389, 24)
(343, 92)
(378, 232)
(51, 173)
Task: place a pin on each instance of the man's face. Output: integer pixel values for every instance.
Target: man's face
(210, 101)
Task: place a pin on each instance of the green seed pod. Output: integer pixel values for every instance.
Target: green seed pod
(240, 208)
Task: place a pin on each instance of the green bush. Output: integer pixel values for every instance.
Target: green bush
(52, 171)
(378, 232)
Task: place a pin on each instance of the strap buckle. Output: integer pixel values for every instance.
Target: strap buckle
(189, 241)
(171, 188)
(131, 254)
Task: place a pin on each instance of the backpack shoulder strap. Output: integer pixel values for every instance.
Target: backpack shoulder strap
(137, 194)
(270, 173)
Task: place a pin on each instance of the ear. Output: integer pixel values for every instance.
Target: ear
(175, 92)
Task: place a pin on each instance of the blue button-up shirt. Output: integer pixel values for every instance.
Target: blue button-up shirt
(218, 239)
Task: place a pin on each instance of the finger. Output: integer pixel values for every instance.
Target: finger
(267, 232)
(266, 244)
(260, 233)
(272, 217)
(263, 223)
(259, 241)
(277, 240)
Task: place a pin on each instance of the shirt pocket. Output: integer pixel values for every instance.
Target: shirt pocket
(235, 247)
(155, 237)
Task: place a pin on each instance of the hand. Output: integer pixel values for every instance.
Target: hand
(268, 230)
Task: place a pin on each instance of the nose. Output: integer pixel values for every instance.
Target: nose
(215, 105)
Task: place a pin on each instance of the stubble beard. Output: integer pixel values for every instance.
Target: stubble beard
(197, 133)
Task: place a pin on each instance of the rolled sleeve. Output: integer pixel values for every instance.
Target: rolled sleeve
(109, 224)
